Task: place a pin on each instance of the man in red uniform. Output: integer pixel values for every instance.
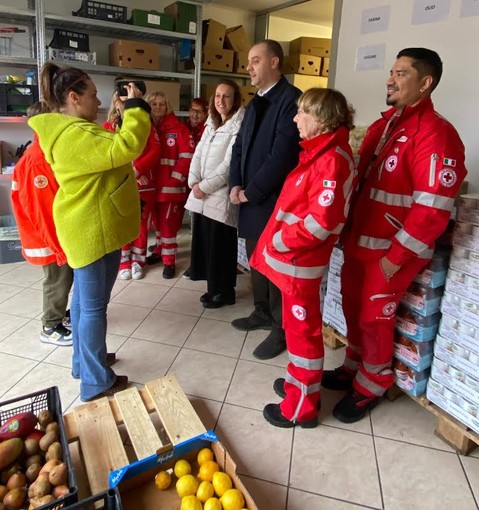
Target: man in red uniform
(410, 170)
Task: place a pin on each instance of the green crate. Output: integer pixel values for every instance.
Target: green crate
(151, 19)
(184, 15)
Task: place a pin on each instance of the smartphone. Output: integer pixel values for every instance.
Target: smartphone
(122, 91)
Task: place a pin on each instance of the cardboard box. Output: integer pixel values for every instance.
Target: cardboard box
(302, 64)
(171, 88)
(213, 35)
(237, 39)
(217, 60)
(184, 15)
(415, 326)
(207, 90)
(305, 82)
(411, 381)
(240, 62)
(247, 94)
(325, 66)
(134, 54)
(315, 46)
(416, 355)
(423, 300)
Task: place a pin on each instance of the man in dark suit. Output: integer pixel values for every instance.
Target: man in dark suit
(265, 151)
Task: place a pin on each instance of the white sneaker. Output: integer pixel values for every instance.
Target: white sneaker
(136, 271)
(124, 274)
(59, 335)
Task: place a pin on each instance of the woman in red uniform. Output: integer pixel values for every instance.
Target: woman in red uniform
(177, 149)
(294, 249)
(198, 111)
(133, 255)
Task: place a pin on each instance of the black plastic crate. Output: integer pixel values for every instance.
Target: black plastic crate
(101, 10)
(36, 402)
(66, 39)
(15, 99)
(110, 499)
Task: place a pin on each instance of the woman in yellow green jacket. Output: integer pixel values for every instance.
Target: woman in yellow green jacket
(96, 209)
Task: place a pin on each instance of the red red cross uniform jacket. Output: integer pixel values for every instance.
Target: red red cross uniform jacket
(406, 196)
(294, 251)
(33, 190)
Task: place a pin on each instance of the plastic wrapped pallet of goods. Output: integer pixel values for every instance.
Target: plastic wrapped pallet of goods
(152, 19)
(66, 39)
(88, 57)
(45, 400)
(107, 500)
(184, 15)
(101, 10)
(161, 426)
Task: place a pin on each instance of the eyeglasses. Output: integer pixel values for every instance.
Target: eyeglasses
(196, 112)
(300, 111)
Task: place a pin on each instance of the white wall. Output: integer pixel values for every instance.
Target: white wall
(456, 97)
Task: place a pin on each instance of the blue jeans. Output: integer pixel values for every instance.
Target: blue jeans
(91, 294)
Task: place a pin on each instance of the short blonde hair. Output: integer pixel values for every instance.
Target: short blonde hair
(327, 106)
(149, 98)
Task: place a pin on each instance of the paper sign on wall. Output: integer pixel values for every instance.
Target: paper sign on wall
(469, 8)
(370, 57)
(430, 11)
(376, 19)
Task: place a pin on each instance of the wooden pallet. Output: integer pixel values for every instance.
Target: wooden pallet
(332, 338)
(109, 434)
(450, 430)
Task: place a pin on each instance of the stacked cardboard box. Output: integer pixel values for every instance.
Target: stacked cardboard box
(308, 55)
(454, 383)
(214, 56)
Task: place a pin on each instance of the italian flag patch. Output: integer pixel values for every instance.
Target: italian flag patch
(329, 184)
(449, 162)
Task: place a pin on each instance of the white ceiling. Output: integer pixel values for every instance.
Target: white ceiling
(316, 12)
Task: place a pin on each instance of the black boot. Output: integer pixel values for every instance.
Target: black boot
(338, 379)
(272, 346)
(272, 414)
(258, 319)
(354, 407)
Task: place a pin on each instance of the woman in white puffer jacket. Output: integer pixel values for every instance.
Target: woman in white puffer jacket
(214, 244)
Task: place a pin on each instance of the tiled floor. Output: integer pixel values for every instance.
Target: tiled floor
(390, 460)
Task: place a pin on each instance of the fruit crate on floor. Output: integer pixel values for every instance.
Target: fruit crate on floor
(48, 399)
(126, 440)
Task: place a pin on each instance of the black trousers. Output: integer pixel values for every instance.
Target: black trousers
(214, 253)
(266, 295)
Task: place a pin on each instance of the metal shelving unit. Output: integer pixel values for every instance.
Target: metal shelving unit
(39, 21)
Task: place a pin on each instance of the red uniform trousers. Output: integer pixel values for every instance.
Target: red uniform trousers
(167, 221)
(136, 250)
(302, 323)
(369, 305)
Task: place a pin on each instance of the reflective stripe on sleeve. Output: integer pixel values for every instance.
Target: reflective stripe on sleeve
(15, 186)
(315, 229)
(169, 162)
(37, 252)
(411, 243)
(186, 155)
(170, 189)
(278, 243)
(308, 273)
(288, 218)
(432, 200)
(308, 364)
(178, 176)
(395, 199)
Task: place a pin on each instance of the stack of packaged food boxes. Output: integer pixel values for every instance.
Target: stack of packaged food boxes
(454, 383)
(417, 323)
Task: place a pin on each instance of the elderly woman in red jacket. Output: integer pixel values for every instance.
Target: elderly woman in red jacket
(294, 249)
